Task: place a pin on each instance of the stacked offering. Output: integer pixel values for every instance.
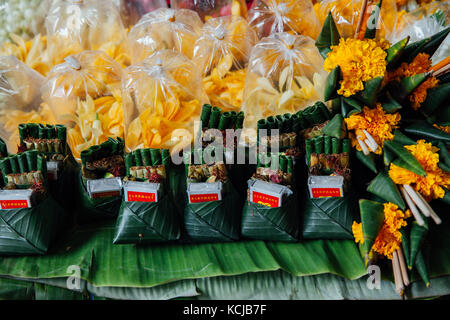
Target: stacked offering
(148, 212)
(100, 183)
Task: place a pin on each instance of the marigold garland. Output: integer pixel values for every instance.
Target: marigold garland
(431, 185)
(389, 237)
(378, 123)
(360, 60)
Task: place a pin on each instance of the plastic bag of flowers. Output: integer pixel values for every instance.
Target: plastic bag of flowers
(76, 25)
(51, 142)
(346, 13)
(214, 207)
(221, 53)
(99, 182)
(208, 9)
(132, 10)
(29, 216)
(20, 99)
(148, 213)
(285, 74)
(162, 29)
(292, 16)
(84, 93)
(270, 212)
(328, 205)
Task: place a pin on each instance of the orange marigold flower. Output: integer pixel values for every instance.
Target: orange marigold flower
(432, 184)
(420, 94)
(360, 60)
(357, 232)
(389, 238)
(378, 123)
(446, 129)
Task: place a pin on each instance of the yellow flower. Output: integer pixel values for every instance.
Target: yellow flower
(389, 238)
(360, 60)
(420, 93)
(378, 123)
(431, 185)
(446, 129)
(357, 232)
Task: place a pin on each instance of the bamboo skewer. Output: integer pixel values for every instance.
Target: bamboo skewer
(361, 17)
(403, 269)
(414, 197)
(371, 140)
(399, 287)
(363, 146)
(433, 214)
(412, 207)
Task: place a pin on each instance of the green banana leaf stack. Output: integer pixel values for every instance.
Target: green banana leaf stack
(29, 230)
(211, 221)
(148, 222)
(264, 222)
(51, 141)
(3, 153)
(110, 156)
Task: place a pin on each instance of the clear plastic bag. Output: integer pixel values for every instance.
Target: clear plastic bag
(161, 95)
(221, 53)
(284, 74)
(84, 94)
(294, 16)
(424, 22)
(346, 14)
(212, 8)
(164, 29)
(132, 10)
(76, 25)
(20, 99)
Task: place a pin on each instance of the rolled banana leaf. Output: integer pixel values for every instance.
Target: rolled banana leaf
(406, 246)
(204, 116)
(274, 224)
(383, 187)
(335, 127)
(444, 157)
(239, 120)
(422, 268)
(3, 149)
(368, 161)
(332, 84)
(372, 218)
(215, 221)
(89, 210)
(395, 51)
(369, 95)
(417, 236)
(428, 45)
(30, 231)
(329, 218)
(142, 222)
(214, 118)
(329, 36)
(425, 130)
(436, 97)
(407, 160)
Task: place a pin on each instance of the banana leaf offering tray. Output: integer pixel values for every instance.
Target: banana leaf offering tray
(100, 181)
(147, 213)
(29, 216)
(271, 210)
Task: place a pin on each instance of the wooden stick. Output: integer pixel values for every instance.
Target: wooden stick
(361, 17)
(441, 71)
(363, 146)
(414, 197)
(399, 287)
(441, 64)
(412, 207)
(433, 214)
(403, 269)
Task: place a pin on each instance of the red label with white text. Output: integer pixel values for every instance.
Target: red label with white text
(266, 199)
(326, 192)
(207, 197)
(13, 204)
(141, 196)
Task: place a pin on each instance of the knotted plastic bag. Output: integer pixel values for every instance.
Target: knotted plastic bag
(208, 9)
(132, 10)
(84, 94)
(164, 29)
(285, 74)
(294, 16)
(76, 25)
(222, 52)
(20, 99)
(346, 15)
(162, 96)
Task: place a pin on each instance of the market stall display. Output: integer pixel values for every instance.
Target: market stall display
(208, 9)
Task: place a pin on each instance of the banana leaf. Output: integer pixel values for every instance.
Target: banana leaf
(328, 218)
(383, 187)
(390, 105)
(446, 198)
(428, 45)
(261, 222)
(444, 156)
(406, 246)
(372, 218)
(349, 106)
(424, 130)
(335, 127)
(400, 90)
(407, 160)
(436, 97)
(142, 222)
(89, 210)
(332, 84)
(388, 157)
(372, 87)
(368, 161)
(329, 36)
(395, 51)
(402, 138)
(30, 230)
(422, 269)
(417, 236)
(215, 220)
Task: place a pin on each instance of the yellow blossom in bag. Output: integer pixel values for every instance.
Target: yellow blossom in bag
(431, 185)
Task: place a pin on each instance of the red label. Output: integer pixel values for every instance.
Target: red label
(265, 199)
(196, 198)
(141, 196)
(105, 194)
(326, 192)
(13, 204)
